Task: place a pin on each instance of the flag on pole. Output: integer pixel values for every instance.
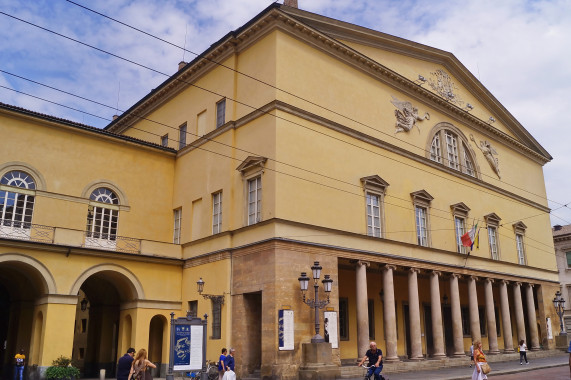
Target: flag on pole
(470, 237)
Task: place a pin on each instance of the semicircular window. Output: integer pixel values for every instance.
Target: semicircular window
(16, 203)
(450, 148)
(103, 216)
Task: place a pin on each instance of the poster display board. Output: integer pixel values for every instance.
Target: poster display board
(188, 344)
(285, 330)
(330, 328)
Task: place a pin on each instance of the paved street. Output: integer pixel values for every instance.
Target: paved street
(546, 368)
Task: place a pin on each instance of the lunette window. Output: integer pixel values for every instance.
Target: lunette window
(456, 152)
(17, 204)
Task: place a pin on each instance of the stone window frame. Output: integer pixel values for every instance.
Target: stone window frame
(177, 225)
(251, 168)
(165, 140)
(460, 211)
(216, 319)
(493, 220)
(182, 131)
(463, 149)
(519, 231)
(422, 199)
(217, 216)
(376, 186)
(220, 113)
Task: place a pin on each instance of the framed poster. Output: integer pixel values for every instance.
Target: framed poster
(181, 347)
(285, 330)
(188, 344)
(330, 328)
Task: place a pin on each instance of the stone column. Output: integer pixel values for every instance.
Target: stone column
(506, 318)
(390, 319)
(362, 305)
(436, 308)
(414, 316)
(456, 316)
(473, 307)
(491, 317)
(532, 318)
(518, 308)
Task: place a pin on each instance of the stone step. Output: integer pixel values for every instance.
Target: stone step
(256, 375)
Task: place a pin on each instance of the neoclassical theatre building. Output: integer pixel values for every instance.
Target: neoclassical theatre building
(295, 138)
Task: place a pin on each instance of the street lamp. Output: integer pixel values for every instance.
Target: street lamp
(315, 303)
(215, 298)
(83, 304)
(559, 303)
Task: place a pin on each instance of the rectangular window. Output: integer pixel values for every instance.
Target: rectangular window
(102, 223)
(182, 136)
(452, 148)
(177, 214)
(459, 226)
(254, 200)
(465, 321)
(343, 319)
(482, 314)
(216, 212)
(201, 123)
(421, 228)
(84, 325)
(81, 353)
(216, 320)
(371, 309)
(220, 113)
(16, 209)
(373, 215)
(193, 308)
(493, 240)
(568, 254)
(520, 249)
(165, 140)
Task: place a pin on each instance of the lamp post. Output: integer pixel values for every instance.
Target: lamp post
(315, 303)
(215, 298)
(559, 303)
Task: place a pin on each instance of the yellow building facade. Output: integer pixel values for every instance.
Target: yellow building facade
(294, 139)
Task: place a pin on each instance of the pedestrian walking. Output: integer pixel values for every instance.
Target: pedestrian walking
(229, 363)
(479, 361)
(140, 366)
(221, 366)
(522, 352)
(19, 363)
(471, 354)
(124, 364)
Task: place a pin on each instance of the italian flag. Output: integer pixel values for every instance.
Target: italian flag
(470, 237)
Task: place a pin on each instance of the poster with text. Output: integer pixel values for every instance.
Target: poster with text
(182, 348)
(330, 328)
(285, 330)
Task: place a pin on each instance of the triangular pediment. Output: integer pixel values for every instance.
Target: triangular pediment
(252, 163)
(421, 195)
(519, 227)
(492, 218)
(460, 208)
(374, 183)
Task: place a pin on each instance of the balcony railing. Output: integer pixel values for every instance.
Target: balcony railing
(76, 238)
(10, 229)
(112, 242)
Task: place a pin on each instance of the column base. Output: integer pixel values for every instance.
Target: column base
(496, 352)
(416, 358)
(392, 359)
(508, 351)
(459, 355)
(438, 356)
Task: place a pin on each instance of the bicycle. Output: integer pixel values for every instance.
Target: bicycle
(368, 377)
(212, 370)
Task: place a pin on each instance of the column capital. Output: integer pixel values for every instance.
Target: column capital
(473, 278)
(503, 281)
(457, 275)
(414, 270)
(390, 266)
(436, 272)
(490, 280)
(530, 284)
(363, 263)
(517, 283)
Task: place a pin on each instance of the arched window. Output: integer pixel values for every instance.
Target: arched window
(449, 147)
(17, 201)
(103, 215)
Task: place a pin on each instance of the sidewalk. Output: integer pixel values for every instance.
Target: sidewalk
(462, 373)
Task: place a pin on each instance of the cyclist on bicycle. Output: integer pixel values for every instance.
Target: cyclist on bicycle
(375, 356)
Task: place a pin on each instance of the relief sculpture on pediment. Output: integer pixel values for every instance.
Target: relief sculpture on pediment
(444, 86)
(488, 151)
(406, 116)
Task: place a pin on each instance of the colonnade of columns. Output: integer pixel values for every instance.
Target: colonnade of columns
(414, 328)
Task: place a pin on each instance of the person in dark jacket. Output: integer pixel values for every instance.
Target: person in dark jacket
(124, 365)
(229, 361)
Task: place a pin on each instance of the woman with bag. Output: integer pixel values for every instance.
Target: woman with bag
(522, 352)
(140, 365)
(481, 367)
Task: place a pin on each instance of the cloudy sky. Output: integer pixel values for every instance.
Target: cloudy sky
(518, 49)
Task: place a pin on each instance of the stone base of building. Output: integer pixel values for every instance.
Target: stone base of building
(317, 362)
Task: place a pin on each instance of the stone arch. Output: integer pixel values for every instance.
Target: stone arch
(123, 200)
(445, 125)
(129, 278)
(43, 275)
(22, 166)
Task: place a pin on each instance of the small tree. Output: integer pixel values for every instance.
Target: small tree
(62, 369)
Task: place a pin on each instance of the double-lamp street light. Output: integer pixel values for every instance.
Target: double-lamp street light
(559, 303)
(315, 303)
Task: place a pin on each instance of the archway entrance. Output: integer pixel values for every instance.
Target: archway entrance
(21, 285)
(157, 333)
(96, 337)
